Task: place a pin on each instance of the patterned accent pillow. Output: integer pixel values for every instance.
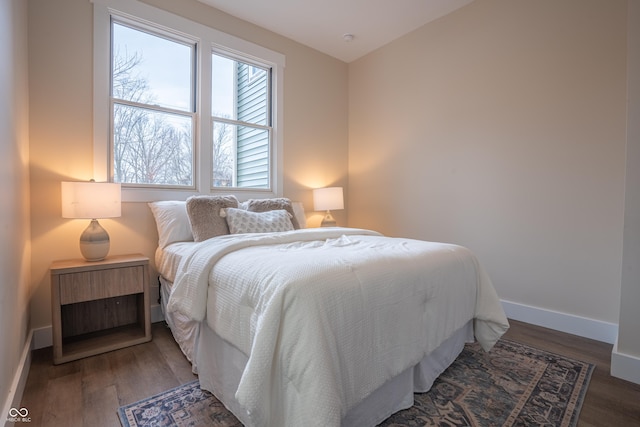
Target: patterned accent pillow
(264, 205)
(241, 221)
(204, 215)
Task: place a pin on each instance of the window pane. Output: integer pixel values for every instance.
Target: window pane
(151, 70)
(223, 87)
(152, 147)
(240, 156)
(223, 154)
(252, 94)
(240, 91)
(253, 157)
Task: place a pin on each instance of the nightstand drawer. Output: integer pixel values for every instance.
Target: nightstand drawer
(92, 285)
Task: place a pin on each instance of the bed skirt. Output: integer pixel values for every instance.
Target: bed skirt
(220, 366)
(184, 330)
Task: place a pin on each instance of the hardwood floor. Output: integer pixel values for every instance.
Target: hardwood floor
(88, 392)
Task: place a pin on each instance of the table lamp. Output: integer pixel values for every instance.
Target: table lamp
(326, 199)
(92, 200)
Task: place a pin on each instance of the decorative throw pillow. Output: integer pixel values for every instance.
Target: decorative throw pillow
(264, 205)
(241, 221)
(204, 215)
(172, 222)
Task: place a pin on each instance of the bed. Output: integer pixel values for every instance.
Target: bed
(324, 326)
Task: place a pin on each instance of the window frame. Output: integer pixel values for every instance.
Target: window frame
(208, 40)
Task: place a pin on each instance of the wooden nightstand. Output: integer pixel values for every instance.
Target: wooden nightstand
(99, 306)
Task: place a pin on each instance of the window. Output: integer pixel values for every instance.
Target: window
(181, 108)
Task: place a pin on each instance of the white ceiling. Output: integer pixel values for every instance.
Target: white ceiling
(322, 24)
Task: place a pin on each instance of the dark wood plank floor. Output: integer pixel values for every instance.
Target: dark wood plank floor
(88, 392)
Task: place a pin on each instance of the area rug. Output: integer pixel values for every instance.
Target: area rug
(513, 385)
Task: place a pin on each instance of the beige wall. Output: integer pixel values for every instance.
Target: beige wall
(60, 72)
(501, 127)
(14, 193)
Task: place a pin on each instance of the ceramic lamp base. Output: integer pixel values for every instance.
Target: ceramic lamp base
(328, 220)
(94, 242)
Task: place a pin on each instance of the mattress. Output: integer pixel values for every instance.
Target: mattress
(168, 258)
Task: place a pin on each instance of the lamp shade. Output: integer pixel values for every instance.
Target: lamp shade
(90, 200)
(329, 198)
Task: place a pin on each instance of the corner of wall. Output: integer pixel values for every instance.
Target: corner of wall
(625, 366)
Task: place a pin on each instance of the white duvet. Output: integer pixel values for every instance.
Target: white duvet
(326, 316)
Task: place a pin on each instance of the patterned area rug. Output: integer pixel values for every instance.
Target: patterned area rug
(513, 385)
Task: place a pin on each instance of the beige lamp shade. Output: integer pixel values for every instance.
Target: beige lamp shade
(92, 200)
(329, 198)
(326, 199)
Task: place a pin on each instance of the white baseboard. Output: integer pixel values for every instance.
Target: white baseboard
(42, 337)
(19, 382)
(563, 322)
(625, 366)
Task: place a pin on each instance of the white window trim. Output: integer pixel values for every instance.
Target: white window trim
(209, 39)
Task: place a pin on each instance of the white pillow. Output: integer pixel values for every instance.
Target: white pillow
(298, 211)
(172, 222)
(241, 221)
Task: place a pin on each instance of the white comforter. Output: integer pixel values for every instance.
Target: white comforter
(326, 316)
